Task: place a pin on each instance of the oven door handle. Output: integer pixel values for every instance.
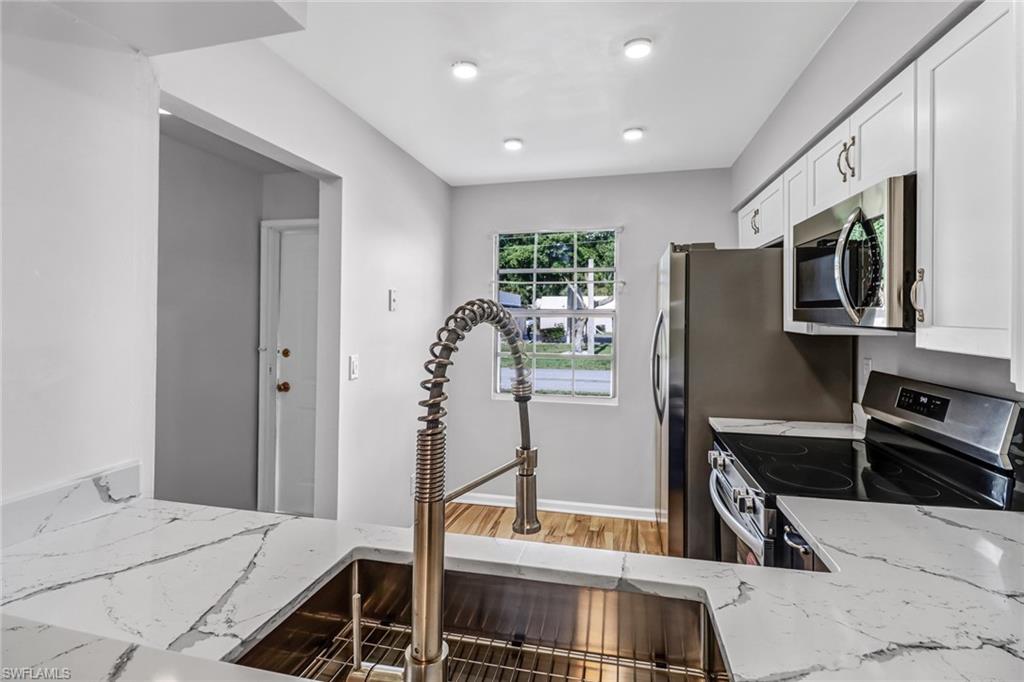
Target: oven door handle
(837, 271)
(723, 511)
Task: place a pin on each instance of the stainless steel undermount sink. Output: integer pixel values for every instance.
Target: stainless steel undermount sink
(497, 629)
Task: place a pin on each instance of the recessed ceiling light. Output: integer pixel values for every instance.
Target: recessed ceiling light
(638, 48)
(464, 70)
(632, 134)
(163, 112)
(513, 144)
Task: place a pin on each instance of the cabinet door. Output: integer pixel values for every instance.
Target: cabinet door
(747, 228)
(1017, 264)
(794, 190)
(769, 218)
(828, 181)
(882, 134)
(965, 110)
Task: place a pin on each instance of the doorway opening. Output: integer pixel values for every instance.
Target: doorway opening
(287, 383)
(228, 216)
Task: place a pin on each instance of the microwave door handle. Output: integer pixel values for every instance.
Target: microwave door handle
(723, 511)
(659, 404)
(837, 271)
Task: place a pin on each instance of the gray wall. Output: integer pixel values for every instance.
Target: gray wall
(289, 196)
(207, 328)
(897, 355)
(596, 454)
(208, 318)
(874, 42)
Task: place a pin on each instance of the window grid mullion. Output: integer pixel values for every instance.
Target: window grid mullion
(551, 271)
(561, 312)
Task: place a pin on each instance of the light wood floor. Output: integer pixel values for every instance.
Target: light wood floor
(624, 535)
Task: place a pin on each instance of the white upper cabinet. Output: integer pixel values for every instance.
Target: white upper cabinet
(965, 112)
(827, 180)
(761, 221)
(876, 142)
(747, 229)
(882, 134)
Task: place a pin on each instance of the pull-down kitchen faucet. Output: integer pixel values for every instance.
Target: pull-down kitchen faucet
(426, 658)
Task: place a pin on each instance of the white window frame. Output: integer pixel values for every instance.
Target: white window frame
(496, 355)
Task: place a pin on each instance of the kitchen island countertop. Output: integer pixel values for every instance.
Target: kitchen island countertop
(920, 592)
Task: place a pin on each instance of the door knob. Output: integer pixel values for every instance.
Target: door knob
(286, 353)
(284, 387)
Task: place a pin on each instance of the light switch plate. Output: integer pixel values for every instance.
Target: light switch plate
(353, 367)
(392, 300)
(865, 370)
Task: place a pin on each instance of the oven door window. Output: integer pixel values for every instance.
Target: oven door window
(862, 269)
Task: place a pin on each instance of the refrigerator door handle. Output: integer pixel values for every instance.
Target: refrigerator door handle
(656, 387)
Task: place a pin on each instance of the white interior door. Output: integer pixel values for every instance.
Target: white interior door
(288, 368)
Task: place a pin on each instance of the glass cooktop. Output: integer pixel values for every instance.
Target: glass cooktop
(887, 467)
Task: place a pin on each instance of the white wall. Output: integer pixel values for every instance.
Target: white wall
(873, 43)
(79, 256)
(393, 229)
(594, 454)
(207, 328)
(898, 355)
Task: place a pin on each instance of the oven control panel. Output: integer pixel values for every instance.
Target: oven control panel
(924, 404)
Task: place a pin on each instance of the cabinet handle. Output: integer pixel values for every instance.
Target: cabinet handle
(914, 289)
(753, 221)
(795, 541)
(839, 161)
(846, 156)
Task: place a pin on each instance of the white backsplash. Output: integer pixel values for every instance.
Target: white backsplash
(898, 355)
(29, 515)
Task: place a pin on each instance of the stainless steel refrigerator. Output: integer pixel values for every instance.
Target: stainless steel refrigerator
(719, 350)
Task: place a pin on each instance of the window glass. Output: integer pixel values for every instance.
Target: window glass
(561, 288)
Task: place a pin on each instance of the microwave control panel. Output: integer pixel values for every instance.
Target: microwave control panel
(924, 404)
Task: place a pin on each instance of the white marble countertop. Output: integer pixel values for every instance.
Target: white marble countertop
(40, 649)
(781, 427)
(919, 592)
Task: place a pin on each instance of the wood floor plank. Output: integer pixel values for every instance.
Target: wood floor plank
(579, 530)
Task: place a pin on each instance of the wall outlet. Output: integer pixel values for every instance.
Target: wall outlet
(392, 300)
(353, 367)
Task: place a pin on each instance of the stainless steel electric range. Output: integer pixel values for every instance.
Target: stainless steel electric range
(924, 445)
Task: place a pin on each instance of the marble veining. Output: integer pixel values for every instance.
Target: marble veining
(64, 505)
(781, 427)
(37, 649)
(915, 592)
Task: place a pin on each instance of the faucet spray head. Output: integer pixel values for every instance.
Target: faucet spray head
(526, 521)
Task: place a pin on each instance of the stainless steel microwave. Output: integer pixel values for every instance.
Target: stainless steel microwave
(854, 263)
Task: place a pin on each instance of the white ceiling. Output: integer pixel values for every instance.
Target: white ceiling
(553, 74)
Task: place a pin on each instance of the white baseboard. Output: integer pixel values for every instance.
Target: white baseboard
(587, 508)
